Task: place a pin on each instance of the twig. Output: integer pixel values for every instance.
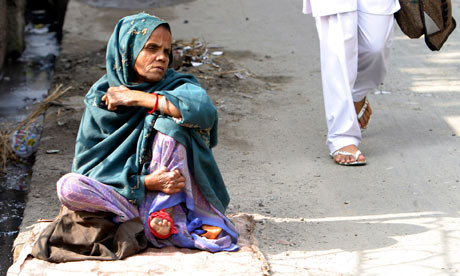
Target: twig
(42, 107)
(230, 72)
(6, 150)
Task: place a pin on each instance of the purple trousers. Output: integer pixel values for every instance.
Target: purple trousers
(191, 210)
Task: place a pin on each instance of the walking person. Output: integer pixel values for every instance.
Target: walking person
(355, 38)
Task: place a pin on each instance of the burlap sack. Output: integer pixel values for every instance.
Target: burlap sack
(431, 18)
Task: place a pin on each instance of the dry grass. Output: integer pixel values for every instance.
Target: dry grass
(6, 152)
(6, 132)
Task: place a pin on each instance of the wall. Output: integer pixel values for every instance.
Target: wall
(11, 28)
(15, 31)
(2, 31)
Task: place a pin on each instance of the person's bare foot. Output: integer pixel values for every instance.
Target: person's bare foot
(364, 120)
(348, 159)
(161, 226)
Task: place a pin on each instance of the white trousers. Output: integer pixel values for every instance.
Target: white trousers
(354, 48)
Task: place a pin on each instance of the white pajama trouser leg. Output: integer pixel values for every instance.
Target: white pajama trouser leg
(375, 36)
(354, 48)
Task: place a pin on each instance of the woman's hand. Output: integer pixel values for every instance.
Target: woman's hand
(165, 181)
(120, 95)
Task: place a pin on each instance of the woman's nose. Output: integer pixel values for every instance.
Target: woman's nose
(161, 56)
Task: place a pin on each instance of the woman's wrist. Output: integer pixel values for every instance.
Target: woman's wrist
(152, 102)
(154, 108)
(147, 100)
(150, 182)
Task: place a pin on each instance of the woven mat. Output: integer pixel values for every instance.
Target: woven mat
(249, 260)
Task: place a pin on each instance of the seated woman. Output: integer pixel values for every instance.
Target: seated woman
(144, 145)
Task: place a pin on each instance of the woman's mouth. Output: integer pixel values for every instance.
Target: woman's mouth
(158, 68)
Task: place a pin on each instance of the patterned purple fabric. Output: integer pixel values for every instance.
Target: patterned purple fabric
(191, 210)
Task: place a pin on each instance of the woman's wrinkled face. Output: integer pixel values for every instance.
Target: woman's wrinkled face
(153, 60)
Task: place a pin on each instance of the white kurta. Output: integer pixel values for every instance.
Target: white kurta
(328, 7)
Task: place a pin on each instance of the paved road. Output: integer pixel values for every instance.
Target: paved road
(396, 216)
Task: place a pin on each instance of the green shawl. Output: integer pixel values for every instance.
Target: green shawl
(113, 147)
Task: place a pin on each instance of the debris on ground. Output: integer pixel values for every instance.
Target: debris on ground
(208, 60)
(6, 151)
(21, 140)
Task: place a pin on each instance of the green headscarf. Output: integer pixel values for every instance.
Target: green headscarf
(113, 146)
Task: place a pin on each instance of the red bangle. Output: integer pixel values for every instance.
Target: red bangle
(155, 106)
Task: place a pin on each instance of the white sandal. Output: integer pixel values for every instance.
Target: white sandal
(355, 155)
(361, 113)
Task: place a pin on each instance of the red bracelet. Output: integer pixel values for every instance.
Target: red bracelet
(156, 103)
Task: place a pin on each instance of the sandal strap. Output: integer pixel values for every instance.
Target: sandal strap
(363, 108)
(355, 155)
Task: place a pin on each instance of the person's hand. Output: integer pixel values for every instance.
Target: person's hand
(165, 181)
(120, 95)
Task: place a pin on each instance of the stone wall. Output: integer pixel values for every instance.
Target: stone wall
(2, 32)
(16, 23)
(12, 23)
(11, 28)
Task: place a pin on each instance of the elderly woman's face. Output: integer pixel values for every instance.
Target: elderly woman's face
(153, 60)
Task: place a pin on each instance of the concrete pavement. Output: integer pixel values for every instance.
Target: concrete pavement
(396, 216)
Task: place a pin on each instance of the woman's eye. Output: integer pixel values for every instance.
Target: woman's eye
(150, 47)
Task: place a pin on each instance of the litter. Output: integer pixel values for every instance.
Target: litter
(194, 53)
(240, 76)
(382, 92)
(24, 142)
